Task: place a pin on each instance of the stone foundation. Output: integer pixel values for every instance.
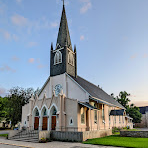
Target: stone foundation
(141, 134)
(79, 136)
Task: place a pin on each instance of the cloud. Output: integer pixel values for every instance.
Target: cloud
(6, 68)
(19, 1)
(15, 37)
(82, 37)
(19, 20)
(145, 56)
(86, 6)
(7, 35)
(2, 91)
(32, 44)
(14, 58)
(54, 24)
(3, 8)
(40, 66)
(133, 56)
(31, 60)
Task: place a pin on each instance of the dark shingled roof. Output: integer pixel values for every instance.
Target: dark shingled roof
(63, 35)
(117, 112)
(143, 109)
(96, 92)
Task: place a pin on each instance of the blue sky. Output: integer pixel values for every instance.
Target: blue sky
(111, 38)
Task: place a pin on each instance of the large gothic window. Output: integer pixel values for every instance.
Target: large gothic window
(58, 58)
(71, 58)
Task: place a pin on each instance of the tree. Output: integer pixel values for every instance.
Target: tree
(123, 98)
(2, 113)
(134, 112)
(17, 98)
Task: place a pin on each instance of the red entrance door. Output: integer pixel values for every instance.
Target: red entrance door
(53, 123)
(44, 126)
(36, 123)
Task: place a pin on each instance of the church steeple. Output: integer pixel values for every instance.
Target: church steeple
(63, 59)
(63, 35)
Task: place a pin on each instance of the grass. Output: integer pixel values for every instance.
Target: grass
(116, 140)
(3, 135)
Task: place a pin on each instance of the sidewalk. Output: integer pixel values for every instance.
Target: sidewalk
(54, 144)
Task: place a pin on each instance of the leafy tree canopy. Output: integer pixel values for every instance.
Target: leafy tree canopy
(122, 98)
(17, 98)
(132, 110)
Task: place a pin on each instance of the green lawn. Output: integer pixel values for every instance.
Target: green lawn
(3, 135)
(116, 140)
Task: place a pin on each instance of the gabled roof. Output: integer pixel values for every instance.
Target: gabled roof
(143, 109)
(117, 112)
(96, 92)
(63, 35)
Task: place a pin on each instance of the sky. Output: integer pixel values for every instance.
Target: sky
(111, 37)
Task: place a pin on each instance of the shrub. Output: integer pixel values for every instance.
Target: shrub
(43, 140)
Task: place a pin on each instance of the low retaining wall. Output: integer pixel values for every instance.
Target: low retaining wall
(67, 136)
(79, 136)
(96, 134)
(142, 134)
(44, 134)
(12, 133)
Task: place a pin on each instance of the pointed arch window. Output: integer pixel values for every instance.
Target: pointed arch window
(37, 113)
(45, 112)
(58, 58)
(71, 58)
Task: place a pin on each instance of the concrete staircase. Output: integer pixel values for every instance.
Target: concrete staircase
(27, 136)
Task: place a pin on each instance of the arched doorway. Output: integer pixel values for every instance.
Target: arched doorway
(44, 119)
(53, 118)
(36, 119)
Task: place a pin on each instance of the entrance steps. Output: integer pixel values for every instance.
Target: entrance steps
(27, 136)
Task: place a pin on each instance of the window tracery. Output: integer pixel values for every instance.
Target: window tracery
(58, 58)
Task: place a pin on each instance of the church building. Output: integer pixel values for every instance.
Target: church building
(68, 102)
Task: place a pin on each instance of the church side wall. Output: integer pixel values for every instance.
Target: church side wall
(75, 92)
(71, 107)
(25, 113)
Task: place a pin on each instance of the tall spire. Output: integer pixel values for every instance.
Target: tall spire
(63, 35)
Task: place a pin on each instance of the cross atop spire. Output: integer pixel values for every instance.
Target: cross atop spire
(63, 2)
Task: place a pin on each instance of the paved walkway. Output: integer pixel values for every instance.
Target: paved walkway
(4, 143)
(4, 131)
(143, 129)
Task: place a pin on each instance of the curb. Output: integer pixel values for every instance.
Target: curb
(16, 145)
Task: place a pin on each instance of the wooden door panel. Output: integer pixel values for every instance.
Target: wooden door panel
(44, 126)
(53, 122)
(36, 123)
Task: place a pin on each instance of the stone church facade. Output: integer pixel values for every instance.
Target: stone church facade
(67, 102)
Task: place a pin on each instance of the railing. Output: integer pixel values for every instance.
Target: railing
(29, 131)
